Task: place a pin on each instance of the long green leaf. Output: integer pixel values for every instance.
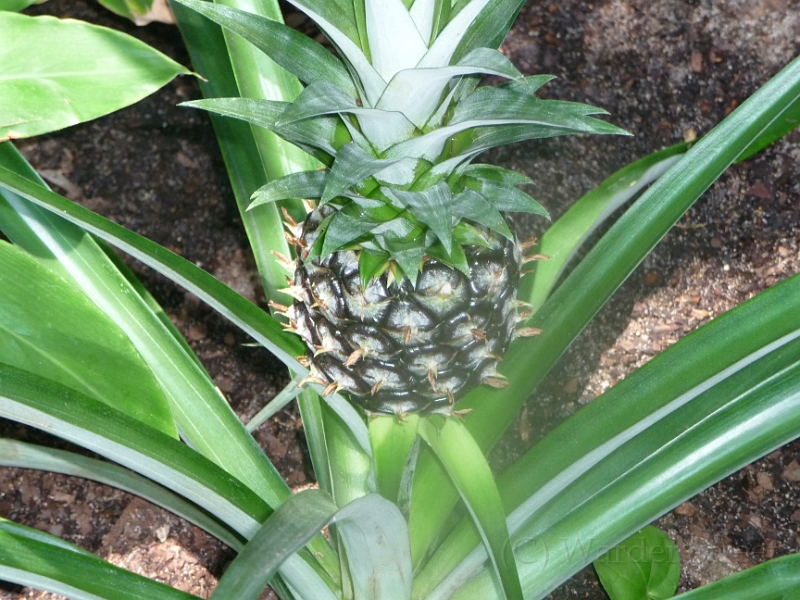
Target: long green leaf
(49, 327)
(471, 475)
(18, 454)
(588, 287)
(41, 403)
(777, 579)
(564, 237)
(639, 406)
(289, 528)
(59, 73)
(240, 151)
(227, 302)
(201, 412)
(50, 566)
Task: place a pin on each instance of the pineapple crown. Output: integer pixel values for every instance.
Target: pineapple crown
(397, 119)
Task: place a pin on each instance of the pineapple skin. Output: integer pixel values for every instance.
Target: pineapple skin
(398, 348)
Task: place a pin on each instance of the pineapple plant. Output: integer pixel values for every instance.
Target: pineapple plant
(406, 271)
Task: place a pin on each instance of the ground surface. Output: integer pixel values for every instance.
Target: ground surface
(664, 69)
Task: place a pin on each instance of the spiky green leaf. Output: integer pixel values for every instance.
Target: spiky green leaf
(304, 184)
(318, 138)
(432, 206)
(506, 198)
(352, 165)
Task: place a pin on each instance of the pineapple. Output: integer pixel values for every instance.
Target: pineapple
(406, 270)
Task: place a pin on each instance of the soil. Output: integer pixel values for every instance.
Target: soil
(665, 69)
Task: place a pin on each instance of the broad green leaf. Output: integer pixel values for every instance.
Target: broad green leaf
(497, 119)
(395, 42)
(375, 538)
(392, 440)
(777, 579)
(564, 237)
(295, 52)
(141, 12)
(466, 466)
(48, 565)
(17, 5)
(18, 454)
(644, 566)
(588, 287)
(49, 327)
(289, 528)
(59, 73)
(206, 45)
(303, 184)
(343, 229)
(497, 174)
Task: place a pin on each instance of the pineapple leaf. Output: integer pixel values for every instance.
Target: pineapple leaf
(297, 53)
(473, 206)
(432, 206)
(382, 128)
(319, 11)
(371, 264)
(423, 13)
(303, 184)
(501, 134)
(319, 138)
(468, 235)
(490, 28)
(505, 197)
(499, 174)
(410, 260)
(498, 104)
(417, 92)
(338, 14)
(456, 258)
(444, 46)
(528, 85)
(352, 165)
(345, 228)
(395, 42)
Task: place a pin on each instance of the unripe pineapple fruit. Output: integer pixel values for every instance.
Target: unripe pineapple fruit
(406, 272)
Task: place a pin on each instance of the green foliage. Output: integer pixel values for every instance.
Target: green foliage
(646, 566)
(389, 488)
